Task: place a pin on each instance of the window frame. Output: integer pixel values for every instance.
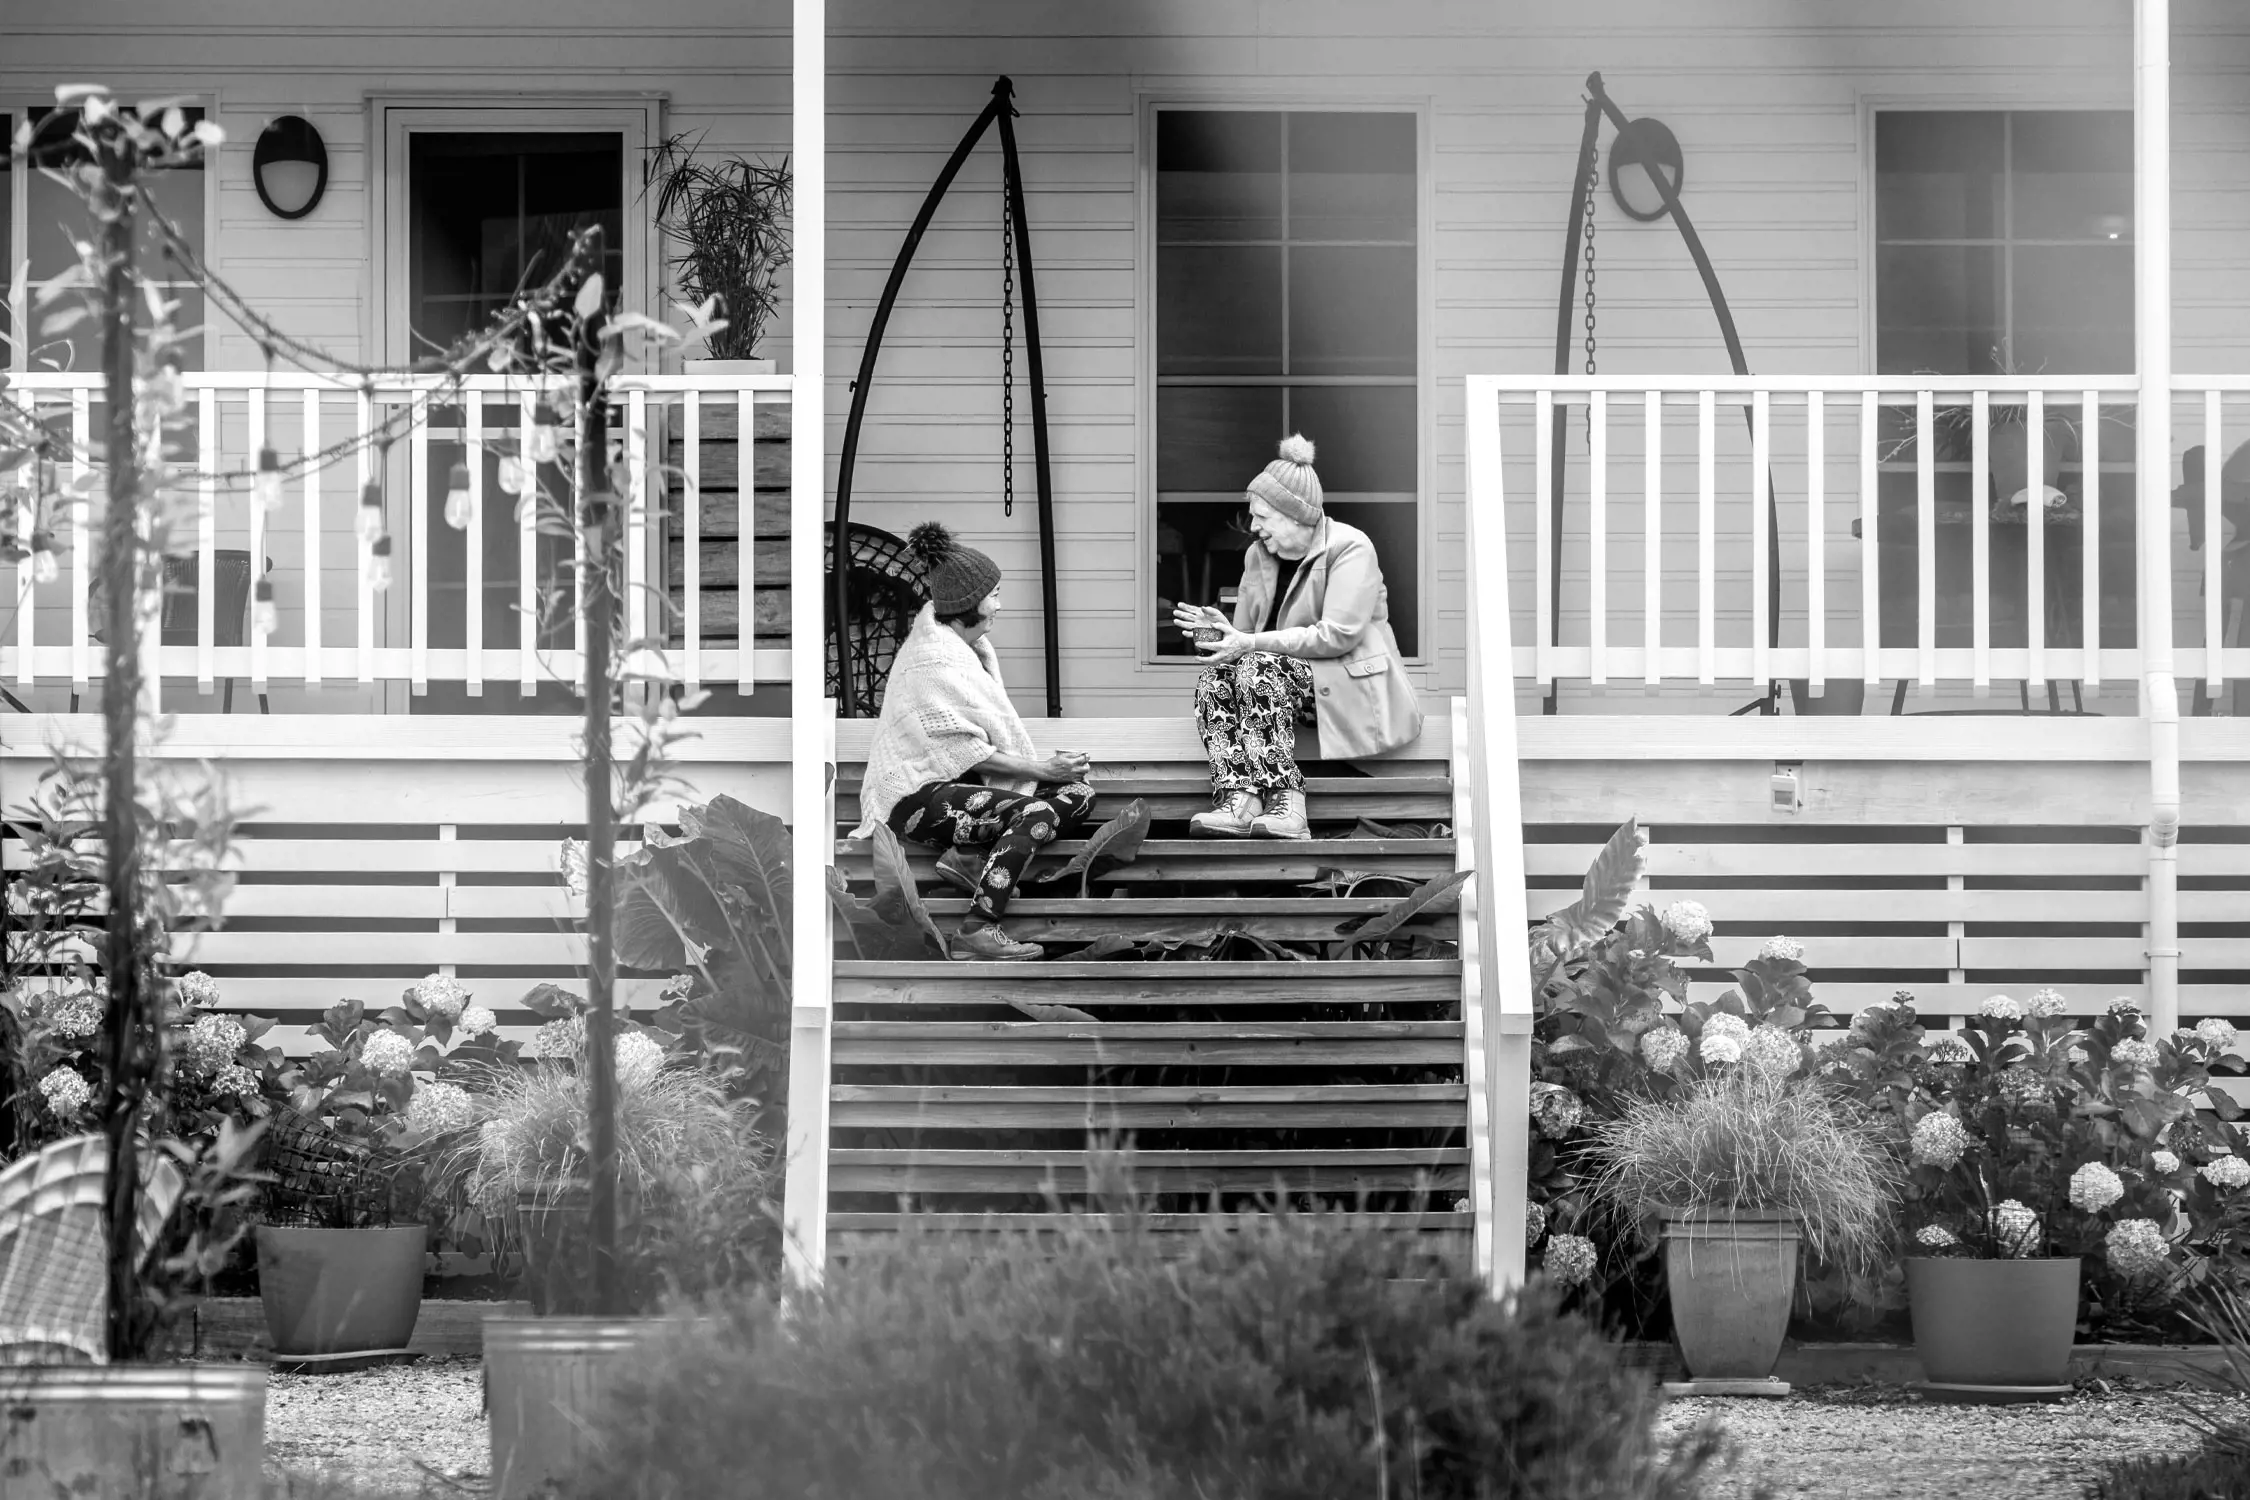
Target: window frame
(1869, 243)
(15, 106)
(1149, 105)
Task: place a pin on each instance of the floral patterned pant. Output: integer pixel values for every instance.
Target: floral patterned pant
(958, 814)
(1247, 712)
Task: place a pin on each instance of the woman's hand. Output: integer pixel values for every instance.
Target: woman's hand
(1231, 645)
(1064, 767)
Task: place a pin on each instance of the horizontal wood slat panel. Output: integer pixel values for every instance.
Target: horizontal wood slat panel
(1788, 909)
(1775, 859)
(1180, 1224)
(1112, 1044)
(1307, 1107)
(1441, 1168)
(1435, 981)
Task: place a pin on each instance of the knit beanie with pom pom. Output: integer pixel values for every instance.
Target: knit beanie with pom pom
(957, 578)
(1289, 484)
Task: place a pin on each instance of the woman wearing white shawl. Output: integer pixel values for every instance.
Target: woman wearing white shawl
(952, 765)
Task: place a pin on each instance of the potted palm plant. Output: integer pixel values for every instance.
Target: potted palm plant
(728, 219)
(1737, 1172)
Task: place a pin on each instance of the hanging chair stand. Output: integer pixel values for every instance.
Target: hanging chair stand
(1017, 245)
(1599, 105)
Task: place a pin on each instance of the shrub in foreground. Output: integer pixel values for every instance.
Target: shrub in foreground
(1296, 1356)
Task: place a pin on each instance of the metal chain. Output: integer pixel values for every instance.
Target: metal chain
(1007, 358)
(1593, 187)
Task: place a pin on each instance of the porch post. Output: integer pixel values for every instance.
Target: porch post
(2152, 323)
(805, 1194)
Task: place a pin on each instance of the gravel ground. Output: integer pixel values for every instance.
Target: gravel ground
(1885, 1443)
(411, 1428)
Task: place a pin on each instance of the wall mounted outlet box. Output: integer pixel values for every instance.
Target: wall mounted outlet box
(1788, 788)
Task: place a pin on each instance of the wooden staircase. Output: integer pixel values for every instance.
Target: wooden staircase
(959, 1094)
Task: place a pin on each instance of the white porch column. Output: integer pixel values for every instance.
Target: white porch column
(811, 711)
(2152, 325)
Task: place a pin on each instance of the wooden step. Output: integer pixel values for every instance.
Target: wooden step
(1435, 981)
(1433, 1222)
(1235, 861)
(1304, 1107)
(1303, 919)
(1147, 1043)
(1439, 1169)
(1328, 798)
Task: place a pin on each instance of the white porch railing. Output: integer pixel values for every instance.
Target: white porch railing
(1672, 489)
(332, 625)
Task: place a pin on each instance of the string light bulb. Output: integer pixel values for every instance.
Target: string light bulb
(44, 567)
(263, 617)
(540, 447)
(370, 511)
(459, 509)
(266, 488)
(512, 475)
(379, 564)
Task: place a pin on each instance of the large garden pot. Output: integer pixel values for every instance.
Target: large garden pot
(545, 1379)
(1994, 1324)
(340, 1291)
(1731, 1276)
(153, 1432)
(551, 1229)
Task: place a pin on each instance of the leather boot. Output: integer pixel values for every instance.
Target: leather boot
(1284, 817)
(1231, 819)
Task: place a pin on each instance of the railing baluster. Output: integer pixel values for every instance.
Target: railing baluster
(691, 536)
(27, 566)
(1597, 537)
(636, 516)
(81, 558)
(527, 548)
(309, 446)
(1761, 438)
(206, 540)
(1925, 538)
(2090, 538)
(1543, 539)
(254, 443)
(2035, 541)
(1980, 542)
(1706, 541)
(1870, 579)
(1816, 540)
(418, 559)
(745, 545)
(1652, 537)
(472, 541)
(2214, 545)
(363, 419)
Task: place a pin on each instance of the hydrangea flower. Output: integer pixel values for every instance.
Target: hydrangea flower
(211, 1043)
(2225, 1172)
(2124, 1005)
(1938, 1140)
(2076, 1054)
(2000, 1008)
(1773, 1051)
(640, 1056)
(1571, 1258)
(439, 1107)
(387, 1052)
(442, 995)
(678, 987)
(1785, 949)
(1534, 1223)
(1718, 1047)
(2136, 1247)
(75, 1016)
(2025, 1091)
(2094, 1187)
(1726, 1023)
(2163, 1163)
(1936, 1237)
(560, 1039)
(2045, 1005)
(2220, 1034)
(1555, 1109)
(1687, 921)
(1663, 1046)
(476, 1020)
(66, 1092)
(1872, 1014)
(2133, 1052)
(1945, 1047)
(2015, 1228)
(196, 989)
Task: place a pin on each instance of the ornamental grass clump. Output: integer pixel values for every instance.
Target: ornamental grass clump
(1743, 1139)
(1255, 1358)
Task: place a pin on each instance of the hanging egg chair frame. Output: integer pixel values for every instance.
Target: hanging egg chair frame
(1598, 106)
(1016, 257)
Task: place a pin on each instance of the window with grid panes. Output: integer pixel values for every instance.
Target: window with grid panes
(1286, 301)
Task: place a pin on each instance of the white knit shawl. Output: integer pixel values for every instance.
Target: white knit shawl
(945, 710)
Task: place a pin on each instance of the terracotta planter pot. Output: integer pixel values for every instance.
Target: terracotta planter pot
(1994, 1323)
(1731, 1276)
(340, 1291)
(155, 1432)
(545, 1381)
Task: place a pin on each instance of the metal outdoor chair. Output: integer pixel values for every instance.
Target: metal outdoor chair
(54, 1298)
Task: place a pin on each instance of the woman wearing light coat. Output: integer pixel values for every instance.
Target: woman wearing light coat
(1310, 642)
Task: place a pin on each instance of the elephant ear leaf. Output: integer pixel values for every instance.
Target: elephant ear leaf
(1117, 842)
(896, 899)
(1607, 890)
(1441, 894)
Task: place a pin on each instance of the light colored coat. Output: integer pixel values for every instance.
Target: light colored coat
(945, 711)
(1336, 616)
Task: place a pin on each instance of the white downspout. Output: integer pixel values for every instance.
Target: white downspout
(2152, 323)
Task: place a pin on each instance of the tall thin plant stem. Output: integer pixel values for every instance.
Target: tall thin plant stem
(596, 519)
(121, 691)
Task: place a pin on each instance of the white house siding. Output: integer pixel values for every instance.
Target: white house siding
(1768, 97)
